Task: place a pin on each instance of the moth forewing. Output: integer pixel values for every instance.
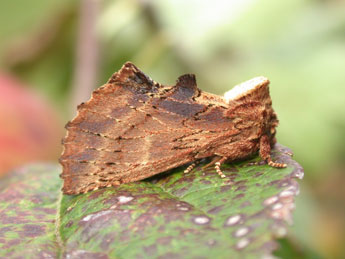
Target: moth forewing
(133, 128)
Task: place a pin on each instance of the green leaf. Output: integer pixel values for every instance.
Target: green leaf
(28, 206)
(170, 215)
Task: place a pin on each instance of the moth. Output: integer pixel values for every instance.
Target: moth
(133, 128)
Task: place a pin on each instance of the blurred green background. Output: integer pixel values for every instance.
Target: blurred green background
(53, 53)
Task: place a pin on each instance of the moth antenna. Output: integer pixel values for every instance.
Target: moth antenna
(217, 167)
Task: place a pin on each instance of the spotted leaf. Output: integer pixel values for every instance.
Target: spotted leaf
(171, 215)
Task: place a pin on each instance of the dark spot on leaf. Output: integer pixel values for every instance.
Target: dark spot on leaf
(258, 174)
(3, 230)
(181, 192)
(36, 199)
(206, 182)
(216, 209)
(169, 255)
(240, 182)
(69, 223)
(273, 183)
(10, 243)
(31, 230)
(164, 240)
(285, 183)
(47, 210)
(107, 241)
(241, 188)
(225, 188)
(150, 250)
(239, 196)
(245, 204)
(231, 169)
(161, 228)
(96, 194)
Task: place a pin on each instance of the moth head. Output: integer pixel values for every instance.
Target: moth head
(250, 101)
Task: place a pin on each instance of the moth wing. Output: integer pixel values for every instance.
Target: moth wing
(132, 128)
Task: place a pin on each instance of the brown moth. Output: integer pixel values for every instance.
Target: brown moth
(133, 128)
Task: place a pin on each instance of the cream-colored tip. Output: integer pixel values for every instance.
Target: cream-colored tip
(245, 88)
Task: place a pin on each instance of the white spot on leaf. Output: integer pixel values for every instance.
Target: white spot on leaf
(242, 243)
(182, 207)
(275, 214)
(233, 220)
(286, 193)
(201, 220)
(124, 199)
(270, 200)
(241, 232)
(96, 215)
(277, 206)
(299, 175)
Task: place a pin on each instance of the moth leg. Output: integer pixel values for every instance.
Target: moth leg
(289, 153)
(214, 160)
(191, 167)
(265, 152)
(217, 167)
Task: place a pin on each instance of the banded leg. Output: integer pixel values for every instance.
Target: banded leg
(217, 167)
(190, 167)
(265, 152)
(289, 153)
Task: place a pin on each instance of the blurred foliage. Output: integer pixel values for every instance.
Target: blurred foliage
(30, 128)
(297, 44)
(289, 249)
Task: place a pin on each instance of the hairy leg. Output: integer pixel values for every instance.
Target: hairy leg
(217, 167)
(191, 167)
(265, 152)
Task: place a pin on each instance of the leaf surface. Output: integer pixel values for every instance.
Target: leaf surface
(28, 207)
(170, 216)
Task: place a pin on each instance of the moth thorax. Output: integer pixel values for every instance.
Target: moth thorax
(246, 88)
